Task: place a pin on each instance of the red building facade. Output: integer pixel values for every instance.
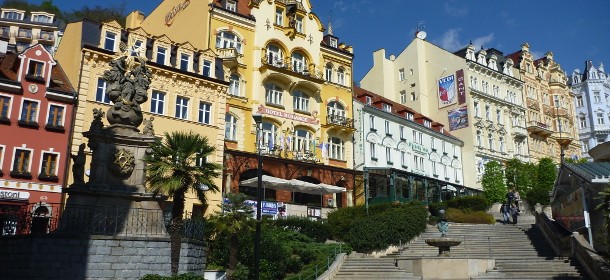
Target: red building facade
(36, 112)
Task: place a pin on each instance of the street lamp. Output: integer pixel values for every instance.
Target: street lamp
(559, 125)
(258, 119)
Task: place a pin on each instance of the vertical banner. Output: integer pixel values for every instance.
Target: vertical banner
(461, 86)
(446, 91)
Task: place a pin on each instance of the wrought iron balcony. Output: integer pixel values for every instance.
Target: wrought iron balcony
(519, 131)
(539, 128)
(340, 121)
(46, 36)
(231, 57)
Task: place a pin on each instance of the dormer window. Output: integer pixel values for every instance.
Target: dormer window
(161, 54)
(368, 100)
(298, 25)
(185, 62)
(333, 42)
(279, 17)
(409, 116)
(14, 15)
(42, 19)
(35, 69)
(427, 123)
(110, 40)
(387, 107)
(136, 49)
(231, 6)
(207, 68)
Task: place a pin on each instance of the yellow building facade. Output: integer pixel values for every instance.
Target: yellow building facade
(550, 107)
(187, 91)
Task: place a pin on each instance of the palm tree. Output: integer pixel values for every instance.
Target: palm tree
(235, 219)
(175, 165)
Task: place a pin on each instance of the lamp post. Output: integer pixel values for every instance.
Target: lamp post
(258, 119)
(560, 136)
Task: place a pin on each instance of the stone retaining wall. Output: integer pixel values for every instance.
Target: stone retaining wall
(93, 257)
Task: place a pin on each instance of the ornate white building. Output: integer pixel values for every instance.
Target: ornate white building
(592, 99)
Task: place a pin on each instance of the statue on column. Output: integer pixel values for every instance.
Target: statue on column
(78, 167)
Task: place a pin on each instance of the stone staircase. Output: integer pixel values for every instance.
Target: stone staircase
(520, 252)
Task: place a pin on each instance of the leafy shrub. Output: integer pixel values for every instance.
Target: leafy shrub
(467, 216)
(316, 230)
(342, 219)
(386, 225)
(185, 276)
(474, 203)
(434, 207)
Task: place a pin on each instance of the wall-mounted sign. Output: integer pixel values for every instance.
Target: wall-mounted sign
(12, 195)
(446, 91)
(458, 118)
(169, 17)
(268, 111)
(418, 148)
(461, 86)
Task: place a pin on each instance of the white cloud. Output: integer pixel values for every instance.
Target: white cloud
(354, 6)
(455, 11)
(450, 40)
(537, 54)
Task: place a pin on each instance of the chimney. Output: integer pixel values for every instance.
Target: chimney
(134, 19)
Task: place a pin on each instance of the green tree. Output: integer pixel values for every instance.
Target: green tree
(175, 166)
(519, 175)
(604, 206)
(98, 14)
(494, 189)
(571, 160)
(545, 180)
(234, 220)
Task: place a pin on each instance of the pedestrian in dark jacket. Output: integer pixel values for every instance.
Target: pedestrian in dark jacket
(505, 210)
(514, 212)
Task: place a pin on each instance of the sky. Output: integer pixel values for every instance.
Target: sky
(575, 31)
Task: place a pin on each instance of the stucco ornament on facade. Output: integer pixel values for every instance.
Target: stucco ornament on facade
(122, 162)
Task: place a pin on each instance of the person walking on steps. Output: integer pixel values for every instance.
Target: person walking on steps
(514, 212)
(510, 196)
(517, 200)
(504, 209)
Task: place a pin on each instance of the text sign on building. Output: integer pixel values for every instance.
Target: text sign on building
(446, 91)
(268, 111)
(461, 86)
(418, 148)
(14, 195)
(169, 17)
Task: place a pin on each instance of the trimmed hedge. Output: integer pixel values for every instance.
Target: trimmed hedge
(386, 224)
(474, 203)
(185, 276)
(467, 216)
(316, 230)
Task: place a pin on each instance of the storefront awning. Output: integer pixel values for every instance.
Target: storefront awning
(293, 185)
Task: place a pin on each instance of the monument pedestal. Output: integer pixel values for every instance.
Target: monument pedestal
(115, 201)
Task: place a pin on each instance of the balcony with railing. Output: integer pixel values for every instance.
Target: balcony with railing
(285, 65)
(340, 121)
(539, 128)
(532, 103)
(45, 36)
(24, 34)
(231, 57)
(519, 131)
(5, 32)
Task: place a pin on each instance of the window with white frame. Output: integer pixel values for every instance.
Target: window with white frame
(388, 155)
(279, 16)
(230, 127)
(334, 108)
(300, 100)
(496, 90)
(427, 124)
(432, 143)
(298, 24)
(387, 128)
(373, 151)
(596, 97)
(110, 40)
(499, 116)
(207, 68)
(413, 98)
(403, 158)
(583, 122)
(337, 148)
(12, 15)
(418, 162)
(231, 5)
(157, 102)
(501, 141)
(585, 147)
(185, 62)
(485, 86)
(182, 106)
(136, 48)
(228, 40)
(414, 136)
(302, 140)
(402, 132)
(479, 139)
(269, 133)
(477, 110)
(372, 123)
(234, 85)
(328, 70)
(5, 106)
(401, 74)
(41, 18)
(21, 161)
(161, 55)
(35, 69)
(434, 168)
(100, 94)
(299, 62)
(488, 112)
(56, 115)
(403, 97)
(368, 100)
(273, 94)
(29, 111)
(409, 116)
(491, 141)
(341, 76)
(275, 56)
(600, 118)
(48, 167)
(333, 42)
(205, 112)
(387, 107)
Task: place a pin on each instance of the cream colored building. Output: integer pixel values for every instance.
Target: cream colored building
(477, 96)
(24, 29)
(187, 92)
(551, 121)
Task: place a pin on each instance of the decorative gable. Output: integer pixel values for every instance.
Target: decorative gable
(36, 64)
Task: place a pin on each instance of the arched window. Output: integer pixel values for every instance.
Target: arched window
(274, 56)
(341, 76)
(299, 62)
(269, 135)
(228, 40)
(301, 101)
(234, 88)
(273, 94)
(335, 109)
(230, 127)
(329, 72)
(302, 140)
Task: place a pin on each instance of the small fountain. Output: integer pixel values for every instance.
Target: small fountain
(443, 243)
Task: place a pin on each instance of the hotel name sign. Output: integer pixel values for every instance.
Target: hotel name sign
(268, 111)
(169, 17)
